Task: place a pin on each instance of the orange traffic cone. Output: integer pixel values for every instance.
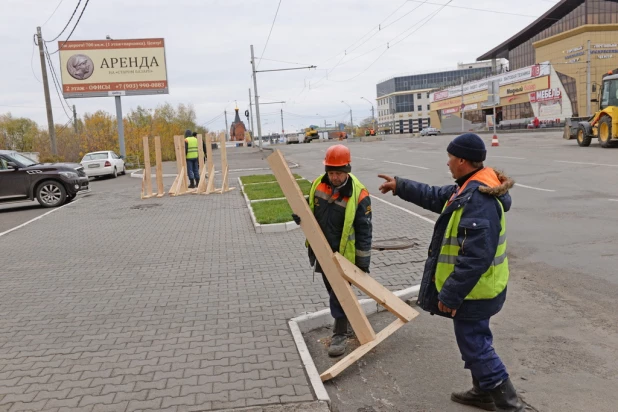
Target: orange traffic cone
(494, 141)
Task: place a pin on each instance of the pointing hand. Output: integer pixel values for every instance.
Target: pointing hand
(389, 185)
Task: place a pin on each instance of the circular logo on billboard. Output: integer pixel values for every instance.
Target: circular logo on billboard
(80, 66)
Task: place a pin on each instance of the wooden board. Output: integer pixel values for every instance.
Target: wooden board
(321, 248)
(159, 172)
(210, 187)
(224, 166)
(147, 170)
(200, 151)
(375, 290)
(183, 155)
(340, 366)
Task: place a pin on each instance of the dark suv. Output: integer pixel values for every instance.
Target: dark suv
(52, 184)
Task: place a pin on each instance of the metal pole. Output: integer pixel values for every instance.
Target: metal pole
(588, 91)
(50, 114)
(462, 105)
(123, 152)
(494, 120)
(282, 128)
(227, 136)
(75, 120)
(257, 98)
(251, 115)
(351, 124)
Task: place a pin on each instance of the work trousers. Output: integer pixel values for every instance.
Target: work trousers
(475, 342)
(335, 307)
(193, 168)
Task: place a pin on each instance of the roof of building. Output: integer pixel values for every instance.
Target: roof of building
(558, 11)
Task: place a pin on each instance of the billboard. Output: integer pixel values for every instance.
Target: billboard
(113, 67)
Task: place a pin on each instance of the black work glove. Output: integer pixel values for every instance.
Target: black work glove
(296, 218)
(364, 269)
(311, 256)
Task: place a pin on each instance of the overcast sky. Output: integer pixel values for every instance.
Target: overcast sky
(208, 57)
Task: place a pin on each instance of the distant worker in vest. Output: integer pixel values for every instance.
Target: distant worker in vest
(192, 154)
(467, 271)
(342, 207)
(203, 150)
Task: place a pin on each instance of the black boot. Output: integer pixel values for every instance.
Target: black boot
(191, 184)
(475, 397)
(339, 339)
(506, 399)
(197, 182)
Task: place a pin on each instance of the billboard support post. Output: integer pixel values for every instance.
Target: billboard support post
(123, 152)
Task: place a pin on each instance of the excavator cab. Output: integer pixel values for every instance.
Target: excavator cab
(604, 123)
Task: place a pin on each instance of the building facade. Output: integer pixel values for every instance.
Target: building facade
(404, 102)
(569, 35)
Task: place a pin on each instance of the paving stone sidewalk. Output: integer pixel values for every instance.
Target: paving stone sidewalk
(176, 304)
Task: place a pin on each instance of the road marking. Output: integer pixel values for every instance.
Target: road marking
(509, 157)
(403, 164)
(37, 218)
(585, 163)
(364, 158)
(426, 219)
(613, 200)
(534, 188)
(425, 152)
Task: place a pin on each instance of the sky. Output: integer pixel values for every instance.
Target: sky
(208, 51)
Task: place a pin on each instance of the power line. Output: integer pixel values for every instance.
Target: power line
(57, 84)
(74, 27)
(52, 15)
(67, 25)
(269, 33)
(282, 61)
(483, 10)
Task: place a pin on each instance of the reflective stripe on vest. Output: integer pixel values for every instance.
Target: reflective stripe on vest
(493, 281)
(347, 246)
(192, 151)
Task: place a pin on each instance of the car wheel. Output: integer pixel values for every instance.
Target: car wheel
(124, 170)
(115, 173)
(51, 194)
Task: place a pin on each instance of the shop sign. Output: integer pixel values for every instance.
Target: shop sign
(546, 95)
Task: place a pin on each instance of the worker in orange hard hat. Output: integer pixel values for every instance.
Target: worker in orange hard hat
(342, 207)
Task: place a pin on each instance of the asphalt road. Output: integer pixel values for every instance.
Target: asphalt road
(558, 333)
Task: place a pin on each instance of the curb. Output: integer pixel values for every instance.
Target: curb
(310, 321)
(269, 228)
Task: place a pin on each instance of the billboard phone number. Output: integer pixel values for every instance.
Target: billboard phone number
(142, 85)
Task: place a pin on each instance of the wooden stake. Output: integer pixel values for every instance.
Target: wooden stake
(160, 188)
(210, 164)
(147, 181)
(224, 167)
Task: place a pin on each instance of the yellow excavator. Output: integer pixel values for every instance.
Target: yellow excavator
(311, 133)
(603, 125)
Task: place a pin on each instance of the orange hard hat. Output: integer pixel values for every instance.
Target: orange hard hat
(337, 155)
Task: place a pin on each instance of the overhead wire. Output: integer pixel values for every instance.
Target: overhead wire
(67, 25)
(483, 10)
(52, 15)
(57, 84)
(269, 33)
(74, 27)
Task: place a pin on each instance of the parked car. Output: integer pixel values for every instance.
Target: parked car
(105, 163)
(430, 131)
(52, 184)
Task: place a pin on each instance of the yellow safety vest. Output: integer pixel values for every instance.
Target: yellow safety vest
(192, 151)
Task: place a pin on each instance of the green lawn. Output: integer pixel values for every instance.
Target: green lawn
(272, 211)
(272, 191)
(262, 178)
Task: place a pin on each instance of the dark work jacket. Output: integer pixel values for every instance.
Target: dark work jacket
(331, 217)
(479, 203)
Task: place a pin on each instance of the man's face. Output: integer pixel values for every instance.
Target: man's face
(455, 165)
(337, 178)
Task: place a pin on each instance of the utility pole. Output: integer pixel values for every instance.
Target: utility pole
(123, 152)
(588, 85)
(50, 115)
(257, 98)
(282, 128)
(251, 114)
(75, 120)
(462, 105)
(373, 117)
(226, 128)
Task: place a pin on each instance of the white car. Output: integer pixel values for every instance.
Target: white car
(430, 131)
(105, 163)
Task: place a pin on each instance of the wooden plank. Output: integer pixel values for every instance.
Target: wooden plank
(147, 168)
(224, 166)
(340, 366)
(200, 151)
(185, 181)
(375, 290)
(209, 160)
(159, 172)
(174, 189)
(321, 248)
(179, 164)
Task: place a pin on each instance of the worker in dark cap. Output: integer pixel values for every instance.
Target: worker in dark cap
(467, 270)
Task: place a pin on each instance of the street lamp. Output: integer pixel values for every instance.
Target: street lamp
(351, 120)
(373, 117)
